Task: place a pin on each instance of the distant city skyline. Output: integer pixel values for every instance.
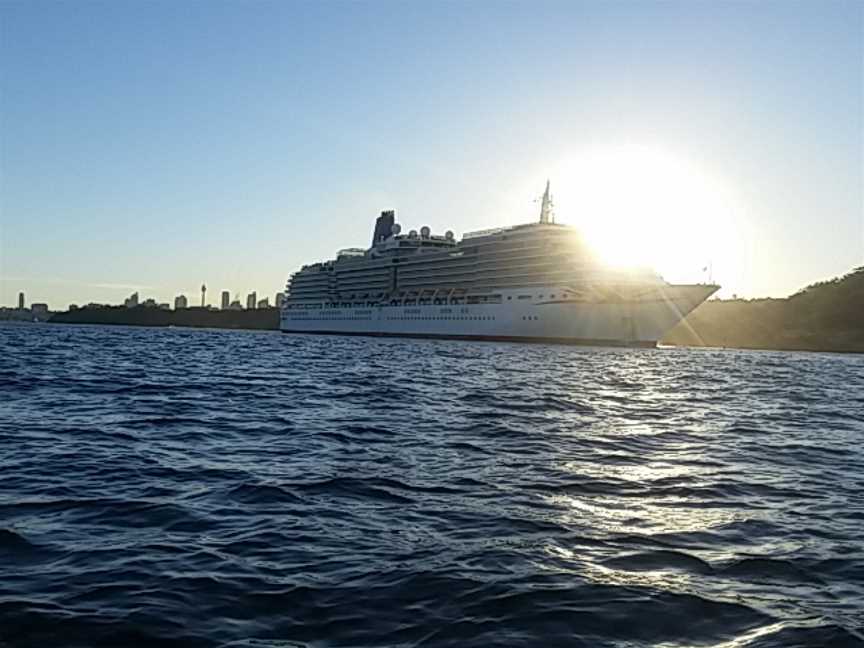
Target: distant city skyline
(181, 301)
(155, 146)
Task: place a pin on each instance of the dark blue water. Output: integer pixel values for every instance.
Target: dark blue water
(215, 488)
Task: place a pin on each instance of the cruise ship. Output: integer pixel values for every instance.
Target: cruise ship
(537, 282)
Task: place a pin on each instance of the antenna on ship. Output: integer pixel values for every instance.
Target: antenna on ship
(547, 215)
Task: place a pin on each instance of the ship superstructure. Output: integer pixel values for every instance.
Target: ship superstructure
(533, 282)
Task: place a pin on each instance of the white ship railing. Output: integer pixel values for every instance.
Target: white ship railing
(486, 232)
(351, 252)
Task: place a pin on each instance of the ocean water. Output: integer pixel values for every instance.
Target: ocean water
(228, 488)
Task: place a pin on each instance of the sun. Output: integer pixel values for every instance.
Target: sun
(644, 206)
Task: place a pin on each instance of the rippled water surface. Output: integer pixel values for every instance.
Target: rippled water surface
(215, 488)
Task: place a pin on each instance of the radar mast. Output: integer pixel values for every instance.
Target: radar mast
(547, 215)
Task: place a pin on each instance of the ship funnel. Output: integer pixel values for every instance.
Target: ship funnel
(383, 227)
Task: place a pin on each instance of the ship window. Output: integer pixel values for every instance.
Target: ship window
(524, 297)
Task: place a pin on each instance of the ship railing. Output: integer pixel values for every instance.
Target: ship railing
(485, 232)
(350, 252)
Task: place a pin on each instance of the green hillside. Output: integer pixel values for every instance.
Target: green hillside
(826, 316)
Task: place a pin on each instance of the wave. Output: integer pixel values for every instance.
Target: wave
(195, 488)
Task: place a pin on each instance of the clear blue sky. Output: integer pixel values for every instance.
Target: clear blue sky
(160, 145)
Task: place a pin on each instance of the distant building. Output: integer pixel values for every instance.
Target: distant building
(39, 311)
(21, 302)
(279, 300)
(203, 294)
(264, 303)
(251, 300)
(164, 306)
(235, 305)
(226, 299)
(73, 307)
(131, 301)
(180, 301)
(15, 314)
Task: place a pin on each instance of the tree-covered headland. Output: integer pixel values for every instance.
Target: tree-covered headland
(825, 316)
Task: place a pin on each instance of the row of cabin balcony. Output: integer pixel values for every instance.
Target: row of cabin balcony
(474, 272)
(384, 276)
(305, 284)
(366, 285)
(364, 277)
(536, 260)
(449, 268)
(382, 271)
(309, 276)
(530, 253)
(498, 278)
(312, 282)
(309, 291)
(376, 264)
(296, 290)
(441, 262)
(508, 283)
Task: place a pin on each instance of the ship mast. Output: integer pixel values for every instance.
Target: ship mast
(546, 213)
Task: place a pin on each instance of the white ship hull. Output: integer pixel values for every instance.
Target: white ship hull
(633, 322)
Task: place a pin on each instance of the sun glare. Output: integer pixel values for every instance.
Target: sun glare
(646, 207)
